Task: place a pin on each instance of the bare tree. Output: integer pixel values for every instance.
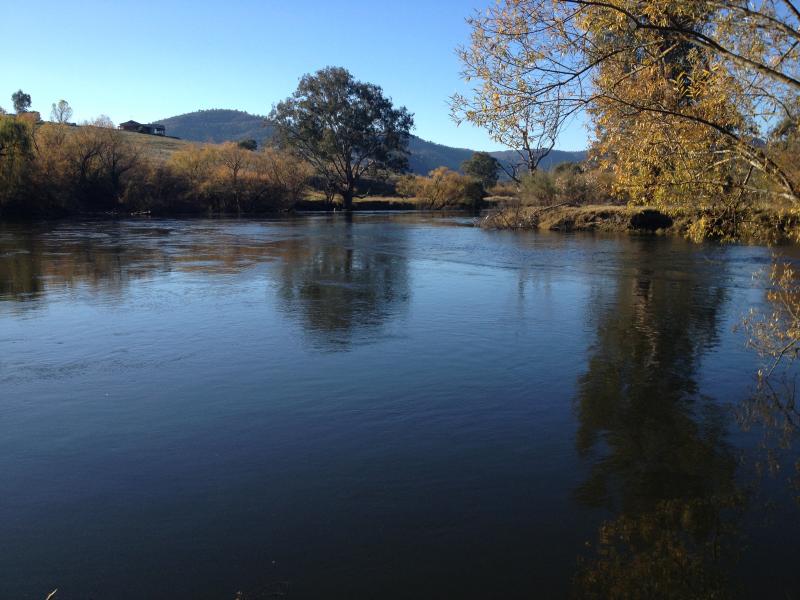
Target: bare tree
(61, 112)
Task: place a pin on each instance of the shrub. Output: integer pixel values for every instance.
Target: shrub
(504, 188)
(538, 189)
(231, 178)
(443, 187)
(53, 169)
(407, 186)
(566, 183)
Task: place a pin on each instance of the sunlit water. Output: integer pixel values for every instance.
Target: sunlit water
(388, 407)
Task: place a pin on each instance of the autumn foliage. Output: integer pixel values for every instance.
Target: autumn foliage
(50, 169)
(684, 96)
(442, 188)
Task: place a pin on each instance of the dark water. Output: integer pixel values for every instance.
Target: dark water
(393, 407)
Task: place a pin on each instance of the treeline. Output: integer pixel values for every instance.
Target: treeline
(574, 183)
(50, 169)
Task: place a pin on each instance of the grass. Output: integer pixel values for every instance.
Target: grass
(315, 201)
(156, 146)
(562, 218)
(759, 225)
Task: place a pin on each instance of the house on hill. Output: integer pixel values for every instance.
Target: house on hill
(153, 129)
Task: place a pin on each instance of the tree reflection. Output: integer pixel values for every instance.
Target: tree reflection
(34, 261)
(773, 331)
(338, 279)
(343, 281)
(107, 257)
(660, 460)
(20, 265)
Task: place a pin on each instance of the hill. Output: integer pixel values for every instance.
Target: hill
(426, 156)
(218, 125)
(221, 125)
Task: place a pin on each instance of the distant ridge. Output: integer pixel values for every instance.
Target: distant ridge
(224, 125)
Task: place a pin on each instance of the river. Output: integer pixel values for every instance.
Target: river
(382, 406)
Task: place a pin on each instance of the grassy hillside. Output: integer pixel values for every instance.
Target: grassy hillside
(157, 147)
(219, 125)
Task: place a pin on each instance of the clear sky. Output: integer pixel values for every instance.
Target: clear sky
(147, 60)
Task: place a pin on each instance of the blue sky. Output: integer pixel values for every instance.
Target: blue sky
(147, 60)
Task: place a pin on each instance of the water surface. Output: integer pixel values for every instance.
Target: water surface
(397, 406)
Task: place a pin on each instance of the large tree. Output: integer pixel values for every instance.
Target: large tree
(682, 92)
(344, 128)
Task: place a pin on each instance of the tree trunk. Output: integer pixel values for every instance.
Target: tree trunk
(347, 198)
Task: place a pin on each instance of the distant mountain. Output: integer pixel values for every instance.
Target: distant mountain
(220, 125)
(426, 156)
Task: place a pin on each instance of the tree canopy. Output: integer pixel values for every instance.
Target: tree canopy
(21, 101)
(484, 167)
(344, 128)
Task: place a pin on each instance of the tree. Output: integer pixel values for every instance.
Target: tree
(344, 128)
(103, 122)
(696, 84)
(15, 139)
(443, 187)
(483, 167)
(500, 103)
(286, 173)
(248, 144)
(61, 112)
(99, 166)
(234, 159)
(16, 152)
(21, 100)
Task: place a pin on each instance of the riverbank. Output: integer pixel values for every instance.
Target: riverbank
(756, 226)
(314, 202)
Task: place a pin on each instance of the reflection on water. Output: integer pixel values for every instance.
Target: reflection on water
(662, 464)
(333, 277)
(773, 332)
(35, 261)
(341, 281)
(393, 406)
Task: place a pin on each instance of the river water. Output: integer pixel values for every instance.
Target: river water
(387, 406)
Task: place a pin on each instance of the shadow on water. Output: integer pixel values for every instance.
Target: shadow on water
(660, 463)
